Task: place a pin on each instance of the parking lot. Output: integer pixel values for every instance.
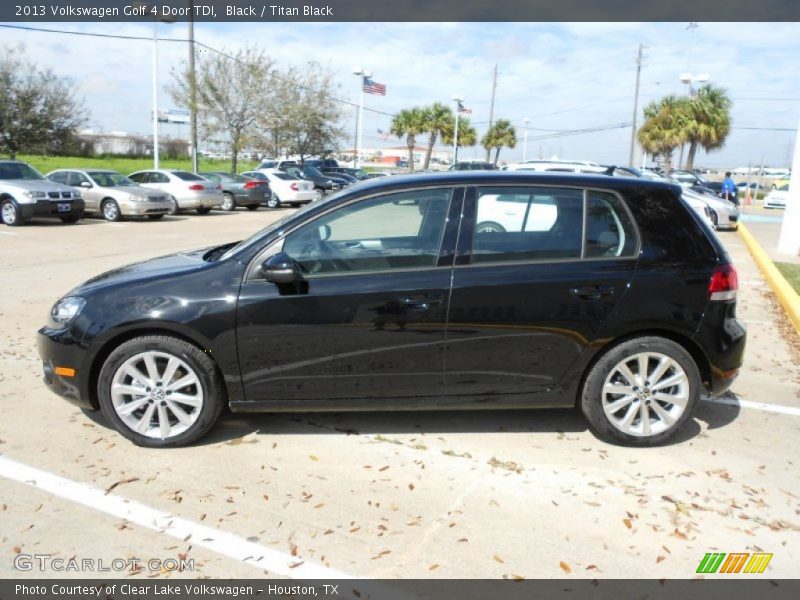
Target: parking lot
(386, 495)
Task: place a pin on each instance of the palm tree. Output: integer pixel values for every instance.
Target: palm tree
(664, 128)
(410, 123)
(467, 134)
(708, 121)
(501, 134)
(438, 117)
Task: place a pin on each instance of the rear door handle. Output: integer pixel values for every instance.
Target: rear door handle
(420, 302)
(592, 292)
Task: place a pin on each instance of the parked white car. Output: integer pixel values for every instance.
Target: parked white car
(724, 214)
(701, 208)
(186, 191)
(286, 188)
(558, 166)
(777, 198)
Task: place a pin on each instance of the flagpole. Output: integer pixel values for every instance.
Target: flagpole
(362, 74)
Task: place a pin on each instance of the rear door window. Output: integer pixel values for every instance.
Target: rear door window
(527, 223)
(609, 229)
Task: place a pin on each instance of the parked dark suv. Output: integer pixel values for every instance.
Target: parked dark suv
(452, 290)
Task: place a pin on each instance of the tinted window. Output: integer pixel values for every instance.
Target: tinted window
(157, 178)
(76, 178)
(12, 170)
(60, 177)
(138, 177)
(521, 224)
(397, 231)
(255, 175)
(609, 230)
(186, 176)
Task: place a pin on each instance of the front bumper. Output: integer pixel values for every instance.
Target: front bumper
(57, 348)
(130, 208)
(53, 208)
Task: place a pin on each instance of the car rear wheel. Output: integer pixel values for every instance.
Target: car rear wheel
(69, 219)
(160, 391)
(274, 201)
(489, 227)
(228, 202)
(110, 210)
(641, 392)
(11, 213)
(203, 210)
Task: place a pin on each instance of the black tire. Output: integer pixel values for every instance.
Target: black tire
(214, 394)
(10, 213)
(203, 210)
(155, 217)
(252, 207)
(714, 218)
(228, 202)
(69, 219)
(273, 201)
(110, 210)
(489, 226)
(591, 396)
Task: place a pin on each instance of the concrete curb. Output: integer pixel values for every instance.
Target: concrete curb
(787, 297)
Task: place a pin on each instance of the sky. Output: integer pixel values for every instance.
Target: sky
(561, 76)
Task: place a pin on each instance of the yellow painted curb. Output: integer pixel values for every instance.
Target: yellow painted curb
(787, 297)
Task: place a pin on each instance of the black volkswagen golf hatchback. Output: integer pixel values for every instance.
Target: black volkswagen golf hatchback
(490, 290)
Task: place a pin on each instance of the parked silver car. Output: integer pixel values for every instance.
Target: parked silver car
(723, 213)
(25, 193)
(186, 191)
(112, 194)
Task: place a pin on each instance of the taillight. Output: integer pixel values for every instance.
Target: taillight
(196, 187)
(294, 187)
(724, 283)
(251, 184)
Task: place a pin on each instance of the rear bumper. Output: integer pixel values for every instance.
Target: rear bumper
(254, 196)
(723, 338)
(200, 201)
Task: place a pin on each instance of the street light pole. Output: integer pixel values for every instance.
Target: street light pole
(155, 96)
(192, 89)
(458, 100)
(789, 239)
(526, 120)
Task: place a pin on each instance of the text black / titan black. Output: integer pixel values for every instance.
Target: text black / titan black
(458, 290)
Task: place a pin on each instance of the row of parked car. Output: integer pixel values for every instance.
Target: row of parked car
(69, 194)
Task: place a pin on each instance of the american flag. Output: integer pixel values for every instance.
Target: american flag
(373, 87)
(384, 135)
(464, 109)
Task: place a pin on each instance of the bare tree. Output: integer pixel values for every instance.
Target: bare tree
(233, 93)
(306, 115)
(39, 111)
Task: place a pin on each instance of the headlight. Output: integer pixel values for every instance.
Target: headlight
(135, 198)
(65, 310)
(35, 195)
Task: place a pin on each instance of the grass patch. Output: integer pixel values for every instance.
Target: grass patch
(126, 165)
(791, 272)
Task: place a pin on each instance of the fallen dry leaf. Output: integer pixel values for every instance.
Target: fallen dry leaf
(565, 567)
(628, 523)
(433, 567)
(498, 558)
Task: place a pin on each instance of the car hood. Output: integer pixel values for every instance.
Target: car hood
(169, 266)
(36, 185)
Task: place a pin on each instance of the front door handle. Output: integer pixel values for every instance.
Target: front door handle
(592, 292)
(420, 302)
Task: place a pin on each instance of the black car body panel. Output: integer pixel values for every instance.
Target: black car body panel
(454, 334)
(242, 196)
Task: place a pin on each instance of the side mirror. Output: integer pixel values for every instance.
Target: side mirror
(280, 268)
(85, 184)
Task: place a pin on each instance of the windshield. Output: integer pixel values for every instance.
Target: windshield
(109, 179)
(12, 170)
(312, 171)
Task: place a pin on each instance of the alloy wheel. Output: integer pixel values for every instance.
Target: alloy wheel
(157, 394)
(228, 203)
(110, 211)
(645, 394)
(9, 213)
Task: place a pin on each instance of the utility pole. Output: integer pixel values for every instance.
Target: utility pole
(635, 106)
(192, 89)
(491, 108)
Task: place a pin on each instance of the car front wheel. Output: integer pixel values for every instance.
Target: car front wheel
(10, 213)
(228, 202)
(160, 391)
(641, 392)
(110, 210)
(273, 201)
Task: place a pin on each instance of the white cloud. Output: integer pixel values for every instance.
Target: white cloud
(561, 76)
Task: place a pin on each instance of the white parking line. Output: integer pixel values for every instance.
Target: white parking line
(116, 225)
(11, 233)
(763, 406)
(227, 544)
